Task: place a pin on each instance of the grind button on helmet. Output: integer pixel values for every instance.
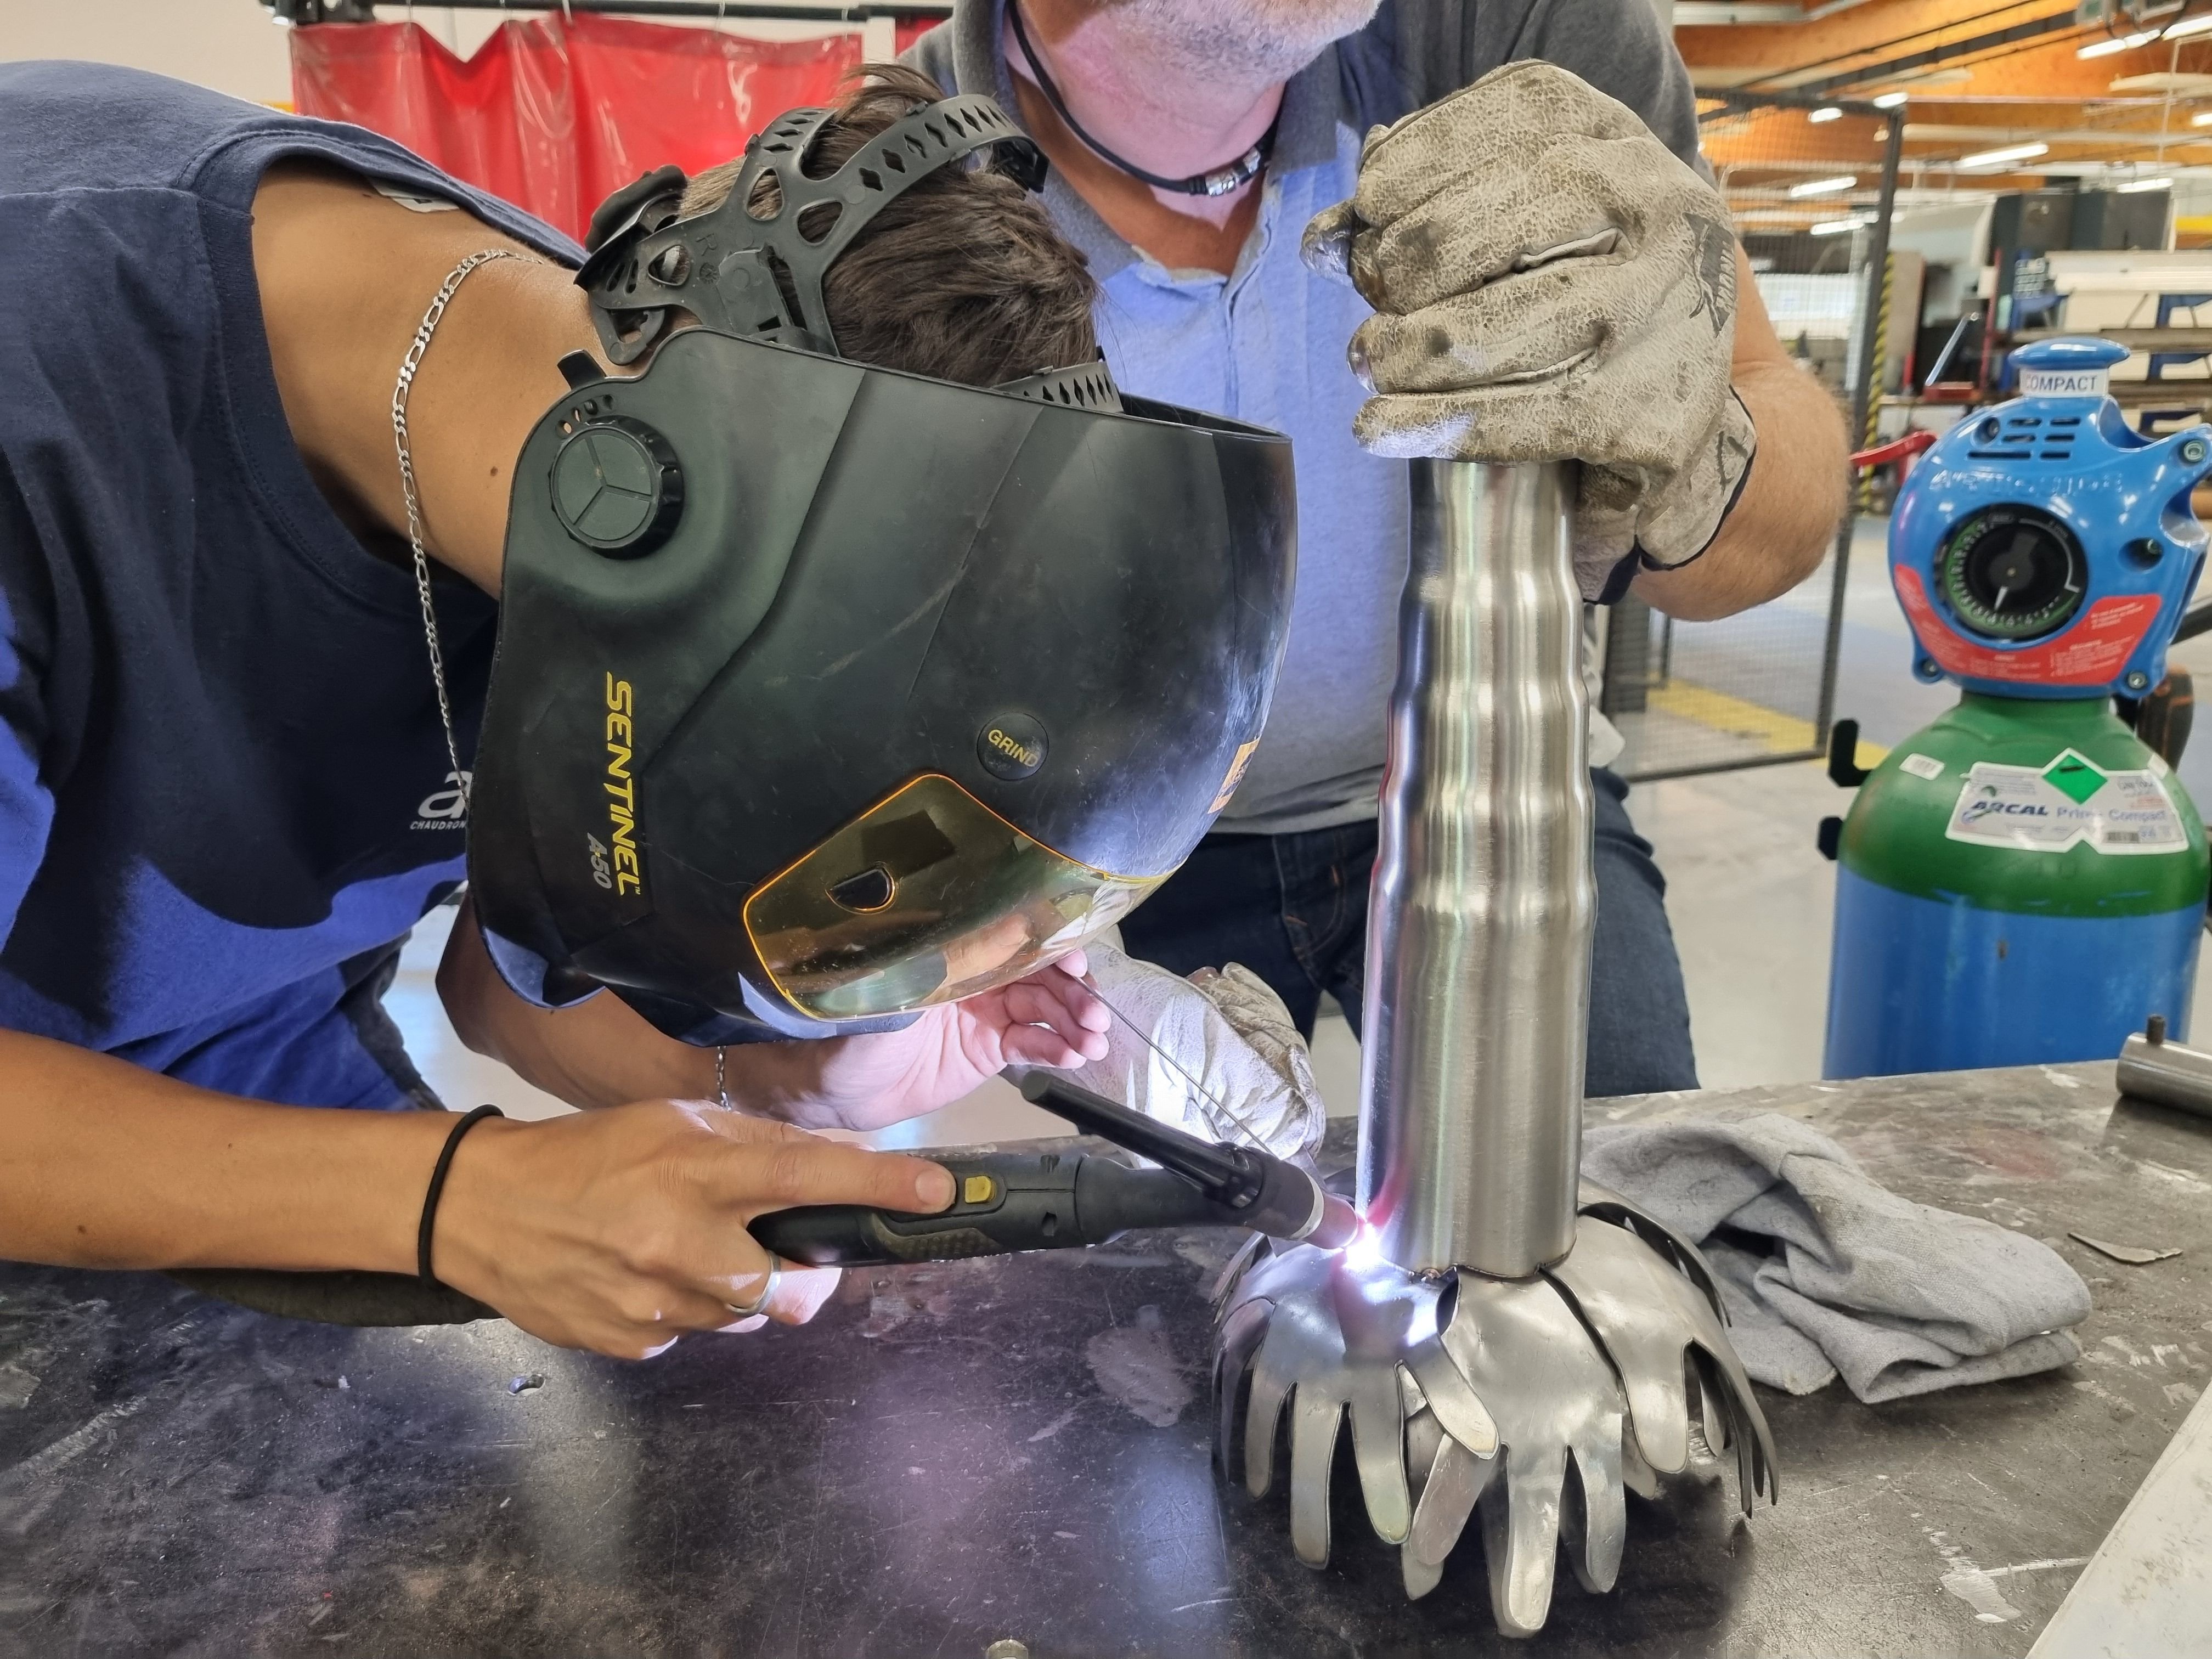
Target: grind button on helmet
(828, 692)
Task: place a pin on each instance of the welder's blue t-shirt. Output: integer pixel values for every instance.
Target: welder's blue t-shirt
(224, 793)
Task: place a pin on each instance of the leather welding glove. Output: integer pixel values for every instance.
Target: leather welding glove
(1551, 282)
(1217, 1054)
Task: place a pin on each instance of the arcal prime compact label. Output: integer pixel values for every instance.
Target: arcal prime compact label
(2071, 802)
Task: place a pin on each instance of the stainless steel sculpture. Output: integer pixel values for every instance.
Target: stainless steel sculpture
(1477, 948)
(1506, 1338)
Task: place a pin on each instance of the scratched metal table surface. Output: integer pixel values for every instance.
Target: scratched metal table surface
(960, 1453)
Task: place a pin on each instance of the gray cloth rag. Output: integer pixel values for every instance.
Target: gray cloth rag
(1824, 1270)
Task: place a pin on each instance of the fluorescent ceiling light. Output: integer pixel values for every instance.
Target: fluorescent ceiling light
(2120, 43)
(1823, 186)
(1837, 227)
(1830, 113)
(1991, 158)
(2204, 119)
(2189, 26)
(2187, 85)
(1890, 99)
(2135, 185)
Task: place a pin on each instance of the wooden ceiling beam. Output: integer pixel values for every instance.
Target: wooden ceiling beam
(2055, 74)
(1879, 29)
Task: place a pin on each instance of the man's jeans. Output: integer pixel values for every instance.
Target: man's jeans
(1293, 909)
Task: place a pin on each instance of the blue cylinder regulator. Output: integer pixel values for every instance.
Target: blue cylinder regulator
(2043, 548)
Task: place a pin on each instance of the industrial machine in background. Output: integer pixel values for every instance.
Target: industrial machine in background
(2027, 226)
(2024, 880)
(1965, 318)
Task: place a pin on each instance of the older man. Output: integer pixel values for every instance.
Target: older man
(1542, 270)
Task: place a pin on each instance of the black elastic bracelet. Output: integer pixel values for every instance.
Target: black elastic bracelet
(437, 1187)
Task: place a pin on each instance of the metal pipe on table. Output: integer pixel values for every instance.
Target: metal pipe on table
(1479, 942)
(2154, 1069)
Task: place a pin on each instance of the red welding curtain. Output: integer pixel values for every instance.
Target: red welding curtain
(555, 112)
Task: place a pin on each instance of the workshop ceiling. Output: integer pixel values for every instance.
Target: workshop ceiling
(2110, 89)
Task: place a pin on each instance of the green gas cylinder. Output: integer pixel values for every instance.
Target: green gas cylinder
(2021, 881)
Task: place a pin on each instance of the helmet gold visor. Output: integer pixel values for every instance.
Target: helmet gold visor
(928, 896)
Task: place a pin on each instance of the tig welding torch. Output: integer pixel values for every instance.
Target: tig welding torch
(1009, 1201)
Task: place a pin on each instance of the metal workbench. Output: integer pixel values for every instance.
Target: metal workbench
(957, 1453)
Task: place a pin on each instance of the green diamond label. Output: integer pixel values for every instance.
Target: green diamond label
(2074, 777)
(2071, 802)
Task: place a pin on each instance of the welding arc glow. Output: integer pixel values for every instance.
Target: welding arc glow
(1365, 1251)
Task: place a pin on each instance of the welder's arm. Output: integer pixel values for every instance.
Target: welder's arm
(616, 1230)
(1785, 521)
(1551, 284)
(600, 1052)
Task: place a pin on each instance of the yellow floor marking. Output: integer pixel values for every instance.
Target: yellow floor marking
(1740, 718)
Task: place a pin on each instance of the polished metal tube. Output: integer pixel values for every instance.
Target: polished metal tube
(2166, 1072)
(1479, 932)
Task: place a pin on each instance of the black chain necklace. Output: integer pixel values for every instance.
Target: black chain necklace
(1222, 181)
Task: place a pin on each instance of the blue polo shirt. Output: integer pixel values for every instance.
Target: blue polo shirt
(1266, 342)
(224, 792)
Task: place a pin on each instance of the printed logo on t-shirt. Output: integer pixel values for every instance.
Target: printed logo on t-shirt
(413, 201)
(447, 808)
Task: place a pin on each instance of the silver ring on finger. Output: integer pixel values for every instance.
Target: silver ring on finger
(759, 1304)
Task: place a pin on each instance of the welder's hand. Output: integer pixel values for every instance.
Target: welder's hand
(622, 1229)
(1551, 282)
(1049, 1018)
(1224, 1032)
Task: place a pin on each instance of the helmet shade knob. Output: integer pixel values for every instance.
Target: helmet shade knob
(617, 487)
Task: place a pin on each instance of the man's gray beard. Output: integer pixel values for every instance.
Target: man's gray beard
(1262, 41)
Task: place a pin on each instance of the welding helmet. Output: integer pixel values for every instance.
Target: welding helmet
(827, 692)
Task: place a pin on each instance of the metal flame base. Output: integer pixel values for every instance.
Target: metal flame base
(1470, 1393)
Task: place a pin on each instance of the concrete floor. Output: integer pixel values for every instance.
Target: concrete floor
(1749, 895)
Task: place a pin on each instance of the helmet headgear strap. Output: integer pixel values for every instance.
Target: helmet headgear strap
(761, 275)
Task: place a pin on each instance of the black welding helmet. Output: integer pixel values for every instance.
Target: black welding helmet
(826, 692)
